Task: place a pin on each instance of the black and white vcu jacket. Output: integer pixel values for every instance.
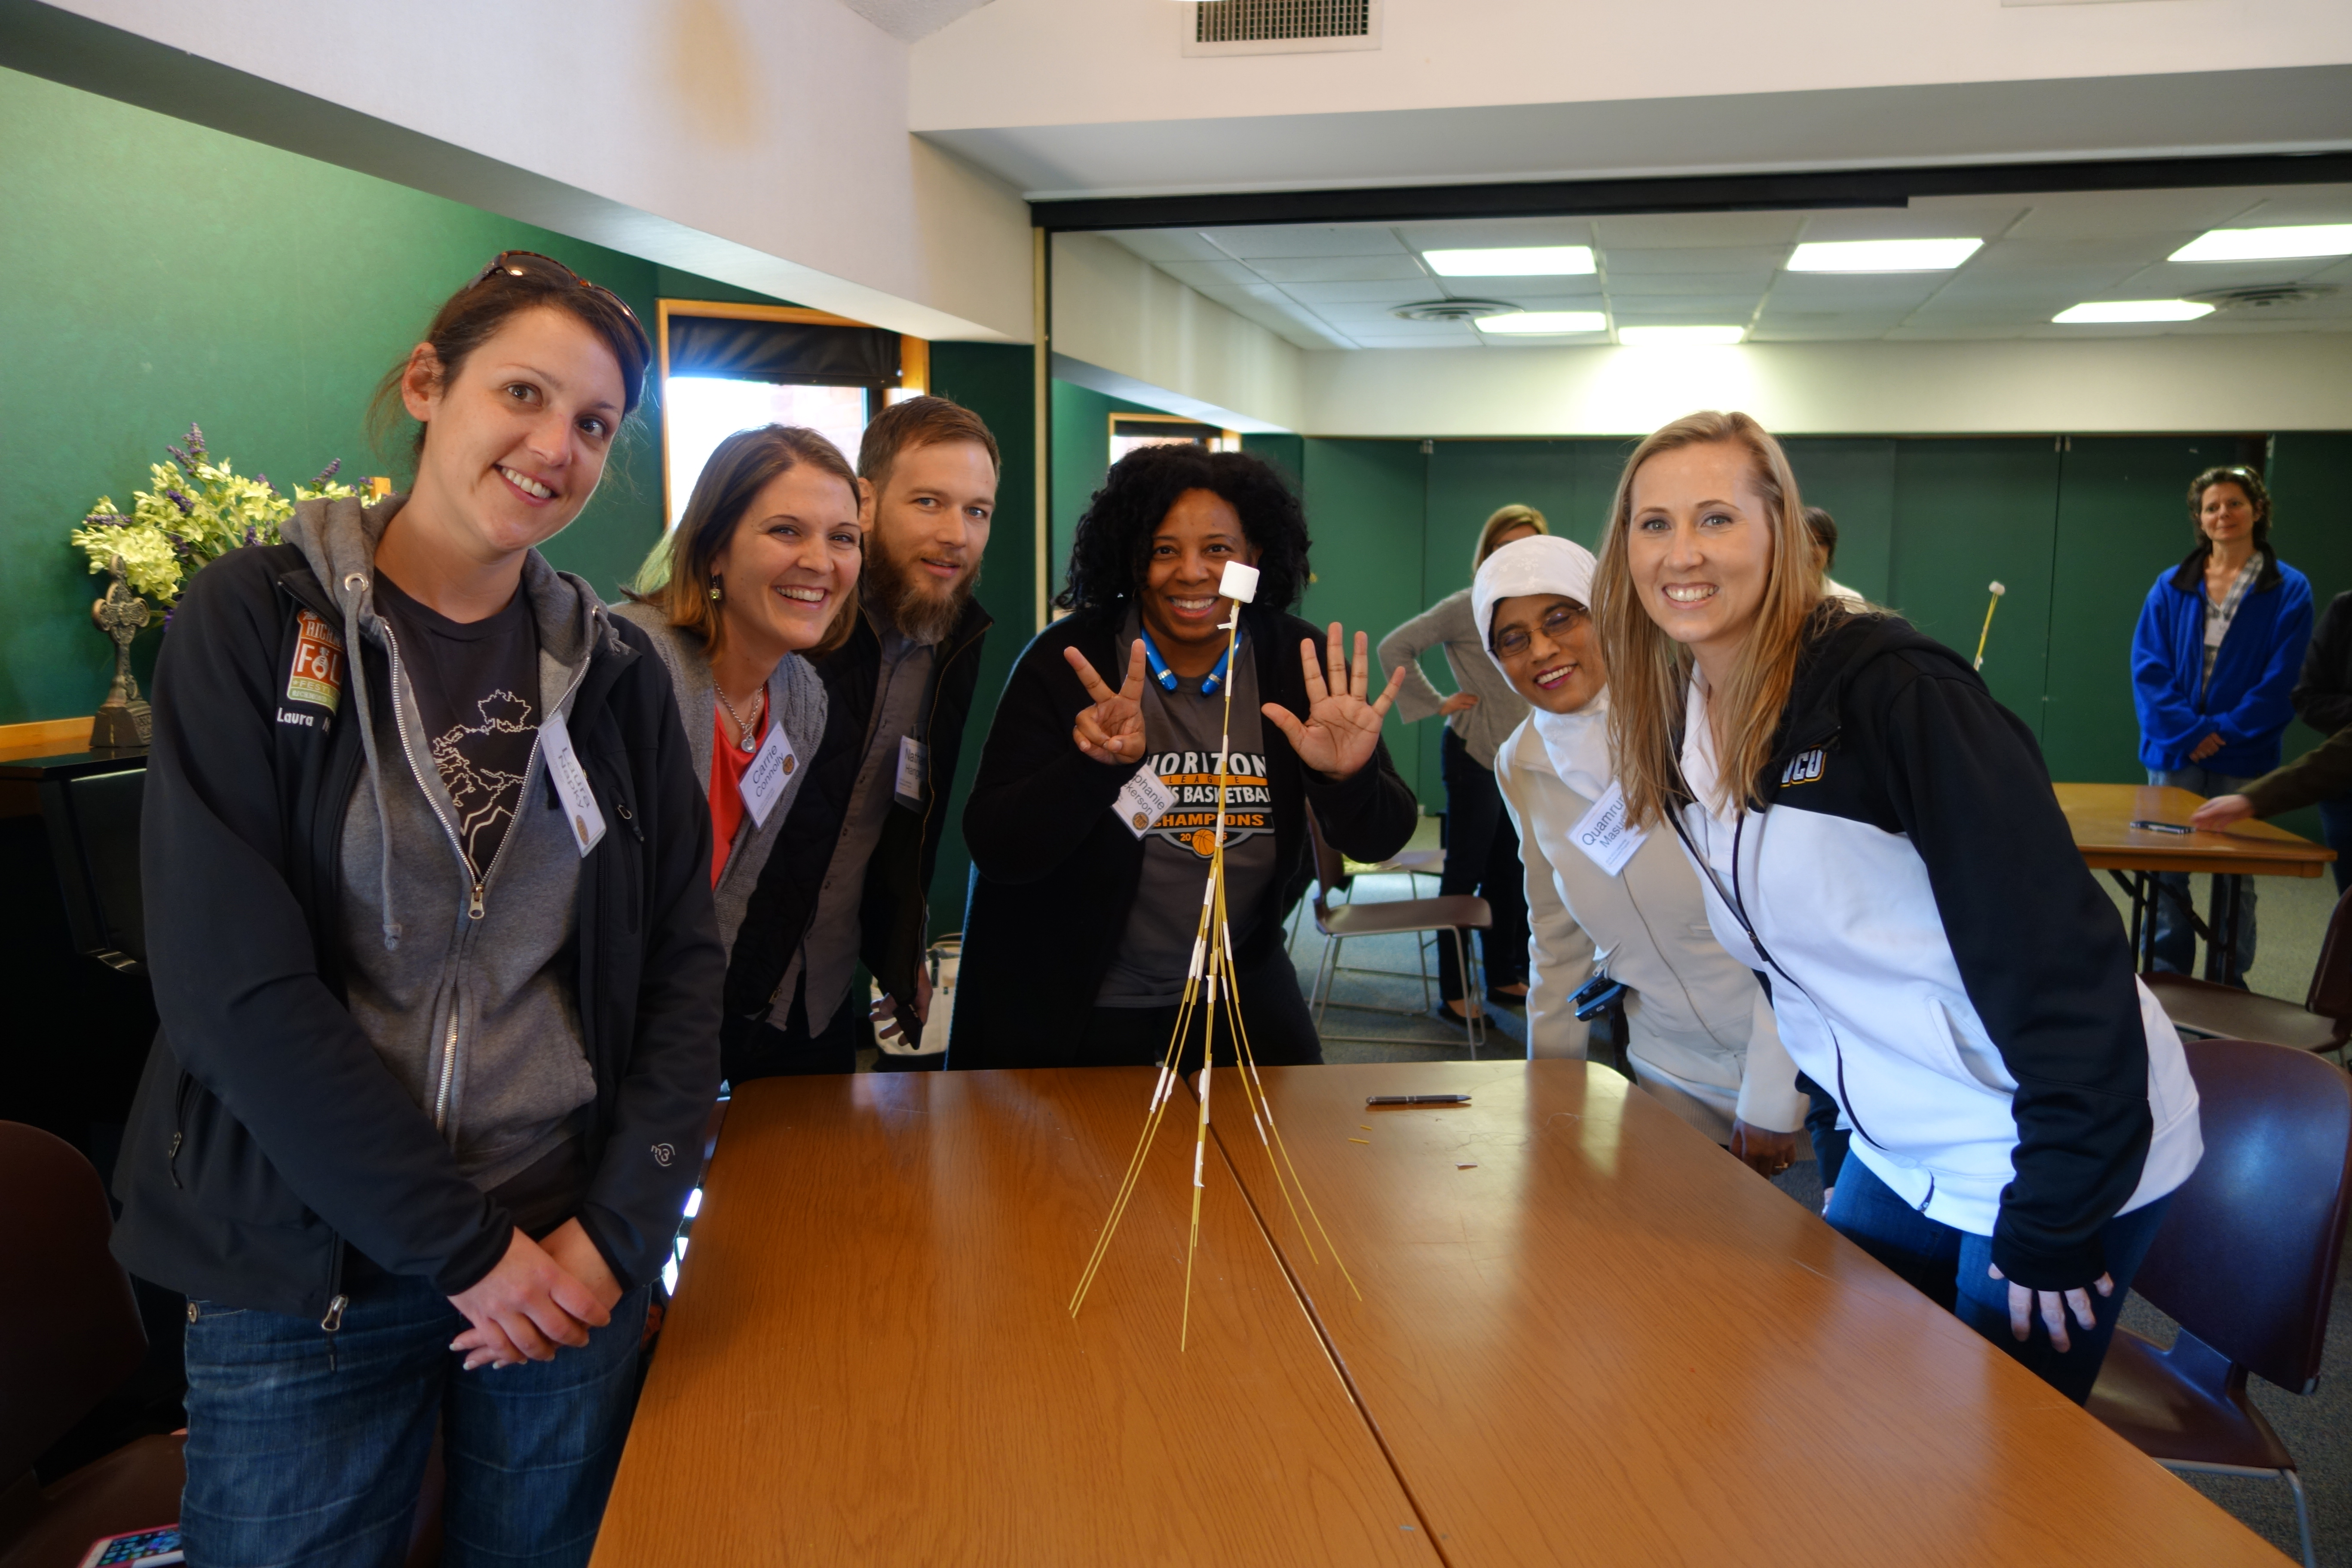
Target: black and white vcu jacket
(1939, 957)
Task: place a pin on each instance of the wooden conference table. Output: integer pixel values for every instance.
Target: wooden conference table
(1586, 1335)
(2102, 817)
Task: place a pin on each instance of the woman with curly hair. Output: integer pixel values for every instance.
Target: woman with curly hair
(1081, 923)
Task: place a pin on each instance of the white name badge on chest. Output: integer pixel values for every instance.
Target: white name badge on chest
(1607, 839)
(910, 785)
(571, 782)
(1142, 800)
(770, 770)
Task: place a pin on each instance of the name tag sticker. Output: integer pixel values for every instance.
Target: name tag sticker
(1607, 839)
(571, 782)
(909, 787)
(764, 780)
(1142, 800)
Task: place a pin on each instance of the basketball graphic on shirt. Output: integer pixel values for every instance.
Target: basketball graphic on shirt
(1191, 820)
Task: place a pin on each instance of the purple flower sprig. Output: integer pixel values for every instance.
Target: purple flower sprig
(327, 473)
(195, 439)
(106, 520)
(187, 464)
(187, 508)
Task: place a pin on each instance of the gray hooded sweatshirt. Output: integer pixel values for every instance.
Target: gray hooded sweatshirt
(469, 994)
(796, 699)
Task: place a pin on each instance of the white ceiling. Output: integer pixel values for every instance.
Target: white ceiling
(908, 20)
(1336, 286)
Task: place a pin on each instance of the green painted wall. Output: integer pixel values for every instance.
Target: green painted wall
(1081, 458)
(159, 273)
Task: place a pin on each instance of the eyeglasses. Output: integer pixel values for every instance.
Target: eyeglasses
(1557, 622)
(526, 263)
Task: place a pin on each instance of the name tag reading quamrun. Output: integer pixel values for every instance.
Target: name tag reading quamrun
(1603, 833)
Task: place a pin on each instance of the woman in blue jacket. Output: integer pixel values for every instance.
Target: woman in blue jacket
(2213, 670)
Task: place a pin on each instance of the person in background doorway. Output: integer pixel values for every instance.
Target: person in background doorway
(1482, 851)
(2213, 667)
(850, 875)
(2323, 700)
(428, 912)
(1085, 909)
(758, 576)
(1878, 838)
(1823, 528)
(1700, 1031)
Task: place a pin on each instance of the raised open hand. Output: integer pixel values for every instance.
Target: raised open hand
(1112, 729)
(1342, 728)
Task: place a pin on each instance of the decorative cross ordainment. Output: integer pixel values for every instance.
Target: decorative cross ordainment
(123, 719)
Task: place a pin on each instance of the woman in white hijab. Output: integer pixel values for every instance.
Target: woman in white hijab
(1606, 904)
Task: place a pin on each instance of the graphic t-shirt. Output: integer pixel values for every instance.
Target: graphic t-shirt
(1181, 731)
(477, 688)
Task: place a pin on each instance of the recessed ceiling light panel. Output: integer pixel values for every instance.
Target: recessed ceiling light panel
(1516, 262)
(1678, 337)
(1882, 255)
(2268, 243)
(1544, 323)
(2094, 313)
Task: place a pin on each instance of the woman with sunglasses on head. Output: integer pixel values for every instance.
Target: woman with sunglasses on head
(1877, 838)
(429, 919)
(761, 571)
(1612, 907)
(2214, 659)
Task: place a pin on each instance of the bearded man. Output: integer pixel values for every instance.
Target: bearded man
(849, 874)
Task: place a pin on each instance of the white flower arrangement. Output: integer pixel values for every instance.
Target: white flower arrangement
(198, 510)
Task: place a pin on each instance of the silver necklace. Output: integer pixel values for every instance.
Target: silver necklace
(759, 707)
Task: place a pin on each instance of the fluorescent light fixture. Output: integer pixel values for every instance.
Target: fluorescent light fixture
(1678, 337)
(1521, 262)
(1537, 323)
(1882, 255)
(2094, 312)
(2268, 243)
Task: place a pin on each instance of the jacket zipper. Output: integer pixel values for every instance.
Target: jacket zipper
(479, 884)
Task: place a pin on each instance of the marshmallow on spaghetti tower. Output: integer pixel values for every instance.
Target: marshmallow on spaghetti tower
(1239, 583)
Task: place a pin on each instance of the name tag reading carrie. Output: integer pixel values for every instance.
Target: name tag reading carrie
(770, 770)
(1142, 800)
(571, 782)
(1607, 839)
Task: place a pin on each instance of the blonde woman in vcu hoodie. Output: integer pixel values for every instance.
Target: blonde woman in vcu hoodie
(1610, 907)
(1877, 837)
(429, 917)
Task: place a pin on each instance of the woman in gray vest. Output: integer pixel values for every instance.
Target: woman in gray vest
(1482, 851)
(761, 570)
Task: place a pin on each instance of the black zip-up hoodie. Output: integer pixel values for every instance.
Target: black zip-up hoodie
(1054, 871)
(1940, 959)
(267, 1131)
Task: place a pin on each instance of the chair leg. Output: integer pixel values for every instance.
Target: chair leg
(1330, 950)
(1422, 953)
(2302, 1516)
(1472, 998)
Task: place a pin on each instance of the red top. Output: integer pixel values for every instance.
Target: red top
(729, 761)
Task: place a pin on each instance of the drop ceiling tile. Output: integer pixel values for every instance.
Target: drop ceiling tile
(1677, 230)
(1695, 308)
(1480, 234)
(1337, 269)
(1855, 290)
(2337, 274)
(1852, 332)
(1397, 291)
(1621, 261)
(1307, 239)
(2232, 323)
(1355, 313)
(1691, 285)
(1167, 244)
(2168, 279)
(2137, 248)
(2300, 204)
(1464, 340)
(1941, 217)
(1198, 273)
(1940, 332)
(2094, 215)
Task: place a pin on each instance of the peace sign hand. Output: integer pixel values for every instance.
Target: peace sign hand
(1112, 729)
(1342, 730)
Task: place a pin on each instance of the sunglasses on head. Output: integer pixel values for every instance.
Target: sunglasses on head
(530, 263)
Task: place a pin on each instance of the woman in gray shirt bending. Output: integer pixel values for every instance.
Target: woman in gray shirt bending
(1482, 851)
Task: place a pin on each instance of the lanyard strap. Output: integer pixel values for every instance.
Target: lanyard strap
(1167, 677)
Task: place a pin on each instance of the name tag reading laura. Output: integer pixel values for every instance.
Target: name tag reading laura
(571, 782)
(1607, 839)
(771, 770)
(1142, 800)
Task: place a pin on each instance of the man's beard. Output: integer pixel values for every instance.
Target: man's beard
(918, 604)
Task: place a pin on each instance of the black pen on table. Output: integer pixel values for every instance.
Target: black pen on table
(2172, 827)
(1417, 1099)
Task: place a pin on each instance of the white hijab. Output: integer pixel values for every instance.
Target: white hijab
(1578, 742)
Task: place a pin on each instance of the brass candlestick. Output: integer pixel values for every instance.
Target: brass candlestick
(123, 721)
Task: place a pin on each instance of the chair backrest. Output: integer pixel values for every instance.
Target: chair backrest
(69, 1329)
(1330, 868)
(2331, 979)
(2246, 1259)
(93, 827)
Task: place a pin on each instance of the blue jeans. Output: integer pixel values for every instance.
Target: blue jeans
(2336, 832)
(2175, 938)
(1950, 1267)
(293, 1461)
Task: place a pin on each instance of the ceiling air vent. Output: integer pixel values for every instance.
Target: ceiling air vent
(1281, 26)
(1452, 310)
(2263, 296)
